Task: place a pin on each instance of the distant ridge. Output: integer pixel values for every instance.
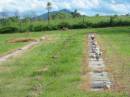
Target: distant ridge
(45, 15)
(26, 14)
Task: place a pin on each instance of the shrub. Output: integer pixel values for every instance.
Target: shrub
(101, 24)
(8, 29)
(82, 25)
(38, 28)
(64, 25)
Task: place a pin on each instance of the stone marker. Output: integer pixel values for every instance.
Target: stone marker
(98, 77)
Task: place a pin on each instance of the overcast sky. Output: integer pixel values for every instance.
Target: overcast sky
(88, 7)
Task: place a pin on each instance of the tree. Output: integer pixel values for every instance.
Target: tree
(19, 20)
(112, 18)
(49, 6)
(16, 14)
(75, 13)
(97, 15)
(127, 14)
(32, 14)
(4, 15)
(83, 18)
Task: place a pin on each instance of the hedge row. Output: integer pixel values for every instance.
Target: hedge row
(33, 28)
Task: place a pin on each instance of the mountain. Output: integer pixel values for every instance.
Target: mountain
(30, 14)
(6, 14)
(13, 13)
(45, 15)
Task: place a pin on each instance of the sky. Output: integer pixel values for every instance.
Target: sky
(86, 7)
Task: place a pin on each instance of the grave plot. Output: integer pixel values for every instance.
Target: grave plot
(99, 78)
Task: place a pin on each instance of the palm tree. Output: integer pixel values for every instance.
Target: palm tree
(49, 6)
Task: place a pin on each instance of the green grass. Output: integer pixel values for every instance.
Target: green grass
(53, 68)
(6, 47)
(117, 53)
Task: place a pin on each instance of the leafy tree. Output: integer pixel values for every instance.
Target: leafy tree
(127, 14)
(97, 15)
(83, 18)
(16, 14)
(4, 16)
(112, 18)
(75, 13)
(115, 15)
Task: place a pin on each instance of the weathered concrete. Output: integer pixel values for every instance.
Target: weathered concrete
(99, 79)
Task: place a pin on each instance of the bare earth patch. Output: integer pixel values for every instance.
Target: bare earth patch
(85, 85)
(21, 40)
(4, 69)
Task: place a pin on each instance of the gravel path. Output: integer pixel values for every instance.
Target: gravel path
(99, 78)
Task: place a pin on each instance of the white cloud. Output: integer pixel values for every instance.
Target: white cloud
(93, 3)
(82, 5)
(120, 8)
(82, 13)
(85, 4)
(28, 4)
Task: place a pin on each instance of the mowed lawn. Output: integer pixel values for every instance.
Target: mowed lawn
(54, 67)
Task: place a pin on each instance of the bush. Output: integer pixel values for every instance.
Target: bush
(64, 25)
(82, 25)
(10, 29)
(31, 28)
(101, 24)
(38, 28)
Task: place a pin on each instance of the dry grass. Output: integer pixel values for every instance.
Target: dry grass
(4, 68)
(85, 69)
(16, 40)
(115, 62)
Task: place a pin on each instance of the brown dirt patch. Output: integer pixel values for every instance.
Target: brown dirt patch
(21, 40)
(4, 69)
(85, 85)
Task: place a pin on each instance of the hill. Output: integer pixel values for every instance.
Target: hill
(53, 13)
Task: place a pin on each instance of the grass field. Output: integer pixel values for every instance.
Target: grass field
(6, 46)
(54, 68)
(117, 54)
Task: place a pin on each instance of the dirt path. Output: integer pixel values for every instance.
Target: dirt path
(21, 50)
(99, 77)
